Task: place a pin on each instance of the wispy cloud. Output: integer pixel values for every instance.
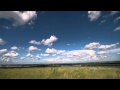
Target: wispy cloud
(116, 19)
(113, 12)
(117, 28)
(94, 15)
(2, 42)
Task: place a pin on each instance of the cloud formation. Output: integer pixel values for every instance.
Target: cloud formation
(54, 51)
(20, 18)
(35, 42)
(45, 55)
(11, 54)
(92, 45)
(3, 51)
(113, 12)
(117, 28)
(14, 48)
(51, 51)
(97, 45)
(49, 41)
(102, 52)
(105, 47)
(116, 19)
(33, 48)
(2, 42)
(94, 15)
(29, 55)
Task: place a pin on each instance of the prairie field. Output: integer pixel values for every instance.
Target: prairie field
(60, 73)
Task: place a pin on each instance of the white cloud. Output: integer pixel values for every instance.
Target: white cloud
(22, 58)
(14, 48)
(51, 51)
(103, 21)
(29, 55)
(94, 15)
(11, 54)
(20, 18)
(33, 48)
(116, 19)
(115, 50)
(92, 45)
(59, 60)
(2, 42)
(3, 51)
(49, 41)
(79, 52)
(102, 52)
(114, 12)
(60, 51)
(54, 55)
(45, 55)
(68, 44)
(35, 42)
(104, 47)
(54, 51)
(117, 28)
(38, 56)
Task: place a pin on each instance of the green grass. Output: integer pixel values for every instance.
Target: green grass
(60, 73)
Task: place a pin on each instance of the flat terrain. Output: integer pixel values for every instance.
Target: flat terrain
(60, 73)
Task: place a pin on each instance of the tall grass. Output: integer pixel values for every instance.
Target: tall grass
(60, 73)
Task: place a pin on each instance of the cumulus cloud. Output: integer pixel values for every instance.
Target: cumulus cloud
(38, 56)
(117, 28)
(45, 55)
(20, 18)
(60, 51)
(105, 47)
(54, 51)
(102, 52)
(116, 19)
(35, 42)
(49, 41)
(97, 45)
(3, 51)
(51, 51)
(11, 54)
(94, 15)
(29, 55)
(33, 48)
(14, 48)
(92, 45)
(113, 12)
(2, 42)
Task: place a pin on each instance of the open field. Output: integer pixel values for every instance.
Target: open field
(60, 73)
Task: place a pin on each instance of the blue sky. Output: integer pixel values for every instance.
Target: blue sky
(59, 36)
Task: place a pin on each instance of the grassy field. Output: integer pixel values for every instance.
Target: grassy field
(60, 73)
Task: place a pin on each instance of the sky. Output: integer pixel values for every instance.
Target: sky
(41, 37)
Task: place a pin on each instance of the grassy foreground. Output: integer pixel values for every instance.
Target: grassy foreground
(60, 73)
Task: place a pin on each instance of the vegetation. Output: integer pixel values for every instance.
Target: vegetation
(60, 73)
